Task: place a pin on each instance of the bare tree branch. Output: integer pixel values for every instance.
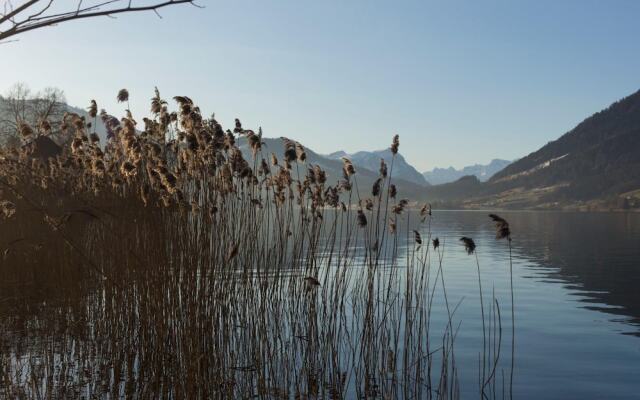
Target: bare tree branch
(36, 14)
(16, 11)
(21, 105)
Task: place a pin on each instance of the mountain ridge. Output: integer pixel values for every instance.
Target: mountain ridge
(364, 177)
(483, 172)
(371, 160)
(594, 165)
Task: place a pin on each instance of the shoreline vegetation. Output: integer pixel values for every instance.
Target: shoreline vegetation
(165, 264)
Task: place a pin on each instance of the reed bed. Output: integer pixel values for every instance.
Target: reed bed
(169, 264)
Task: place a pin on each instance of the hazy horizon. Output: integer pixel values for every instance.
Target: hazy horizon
(460, 83)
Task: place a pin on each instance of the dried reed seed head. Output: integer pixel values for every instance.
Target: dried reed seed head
(301, 155)
(97, 167)
(24, 129)
(45, 127)
(469, 244)
(368, 204)
(169, 181)
(155, 150)
(395, 144)
(332, 197)
(127, 169)
(347, 168)
(320, 175)
(229, 140)
(375, 190)
(425, 211)
(94, 138)
(312, 281)
(290, 154)
(255, 143)
(361, 219)
(416, 237)
(157, 103)
(123, 95)
(310, 178)
(392, 226)
(182, 100)
(238, 126)
(436, 243)
(192, 142)
(76, 145)
(502, 227)
(399, 208)
(383, 168)
(128, 127)
(93, 109)
(393, 192)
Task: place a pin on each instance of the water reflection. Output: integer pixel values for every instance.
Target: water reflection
(596, 256)
(576, 280)
(577, 302)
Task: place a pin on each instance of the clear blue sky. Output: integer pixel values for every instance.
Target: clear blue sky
(461, 82)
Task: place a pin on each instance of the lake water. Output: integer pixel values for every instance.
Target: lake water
(577, 299)
(576, 280)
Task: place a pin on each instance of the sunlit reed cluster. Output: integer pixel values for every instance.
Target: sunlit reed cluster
(183, 260)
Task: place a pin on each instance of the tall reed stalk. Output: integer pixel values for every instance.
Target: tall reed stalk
(180, 261)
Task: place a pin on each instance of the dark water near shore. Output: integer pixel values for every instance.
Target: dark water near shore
(577, 300)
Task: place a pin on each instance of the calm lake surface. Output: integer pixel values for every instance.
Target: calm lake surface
(577, 299)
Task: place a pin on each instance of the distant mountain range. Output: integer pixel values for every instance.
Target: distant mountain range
(438, 176)
(371, 161)
(332, 165)
(596, 165)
